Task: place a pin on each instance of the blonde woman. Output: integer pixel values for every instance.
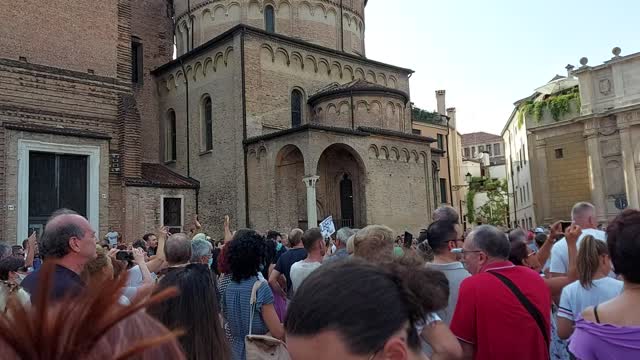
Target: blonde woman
(594, 286)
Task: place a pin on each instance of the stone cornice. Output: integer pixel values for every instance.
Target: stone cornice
(55, 73)
(334, 3)
(276, 37)
(56, 131)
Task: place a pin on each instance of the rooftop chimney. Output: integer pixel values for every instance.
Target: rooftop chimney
(451, 113)
(569, 68)
(440, 99)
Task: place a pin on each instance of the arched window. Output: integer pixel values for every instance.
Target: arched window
(171, 136)
(207, 123)
(296, 108)
(269, 19)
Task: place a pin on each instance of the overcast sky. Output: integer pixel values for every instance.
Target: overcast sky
(488, 54)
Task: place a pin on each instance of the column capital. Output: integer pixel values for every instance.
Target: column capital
(310, 181)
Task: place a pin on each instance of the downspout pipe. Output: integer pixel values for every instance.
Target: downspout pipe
(190, 20)
(186, 79)
(341, 28)
(449, 164)
(244, 129)
(513, 184)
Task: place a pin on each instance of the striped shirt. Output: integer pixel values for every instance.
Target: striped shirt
(237, 312)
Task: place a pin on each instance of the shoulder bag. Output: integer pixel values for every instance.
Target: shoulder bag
(533, 311)
(262, 347)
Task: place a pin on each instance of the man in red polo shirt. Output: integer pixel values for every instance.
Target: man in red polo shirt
(490, 320)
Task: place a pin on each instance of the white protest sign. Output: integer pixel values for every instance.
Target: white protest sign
(327, 227)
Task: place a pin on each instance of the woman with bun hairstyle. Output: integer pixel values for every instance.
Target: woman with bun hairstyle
(359, 310)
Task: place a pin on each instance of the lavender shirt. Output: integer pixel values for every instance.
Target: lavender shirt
(591, 341)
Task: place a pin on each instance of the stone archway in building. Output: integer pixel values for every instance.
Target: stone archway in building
(291, 201)
(340, 188)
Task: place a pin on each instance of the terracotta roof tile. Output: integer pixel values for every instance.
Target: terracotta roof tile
(479, 138)
(156, 175)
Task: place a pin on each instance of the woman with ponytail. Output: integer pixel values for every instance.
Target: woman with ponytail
(593, 287)
(358, 310)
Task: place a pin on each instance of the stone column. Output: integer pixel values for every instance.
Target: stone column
(629, 167)
(596, 180)
(542, 179)
(312, 214)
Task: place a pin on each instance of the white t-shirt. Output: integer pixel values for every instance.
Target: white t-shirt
(560, 251)
(135, 277)
(575, 298)
(300, 271)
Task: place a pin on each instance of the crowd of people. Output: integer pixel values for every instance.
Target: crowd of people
(568, 291)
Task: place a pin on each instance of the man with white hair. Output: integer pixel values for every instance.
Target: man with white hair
(342, 237)
(201, 252)
(583, 214)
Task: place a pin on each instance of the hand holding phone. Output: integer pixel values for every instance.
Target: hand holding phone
(124, 255)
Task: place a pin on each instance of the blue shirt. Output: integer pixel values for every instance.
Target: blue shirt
(64, 283)
(287, 260)
(237, 311)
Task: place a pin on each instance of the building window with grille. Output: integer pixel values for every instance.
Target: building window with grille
(467, 153)
(559, 153)
(443, 191)
(269, 19)
(296, 108)
(207, 123)
(136, 61)
(172, 213)
(473, 151)
(171, 136)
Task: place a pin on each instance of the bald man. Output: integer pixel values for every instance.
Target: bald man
(70, 241)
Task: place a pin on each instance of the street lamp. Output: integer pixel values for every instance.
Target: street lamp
(468, 179)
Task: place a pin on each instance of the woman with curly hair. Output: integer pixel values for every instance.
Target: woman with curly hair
(244, 256)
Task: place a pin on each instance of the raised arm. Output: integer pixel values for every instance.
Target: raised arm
(545, 251)
(158, 263)
(556, 284)
(31, 250)
(228, 236)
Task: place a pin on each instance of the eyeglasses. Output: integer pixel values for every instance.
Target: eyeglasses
(463, 251)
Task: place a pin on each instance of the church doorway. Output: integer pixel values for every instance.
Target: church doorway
(340, 188)
(291, 193)
(56, 181)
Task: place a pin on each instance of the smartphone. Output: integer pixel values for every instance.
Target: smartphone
(408, 239)
(124, 255)
(565, 225)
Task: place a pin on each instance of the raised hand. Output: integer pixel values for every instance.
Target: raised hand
(138, 255)
(572, 234)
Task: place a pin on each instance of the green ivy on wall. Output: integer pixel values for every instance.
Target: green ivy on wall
(558, 105)
(495, 211)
